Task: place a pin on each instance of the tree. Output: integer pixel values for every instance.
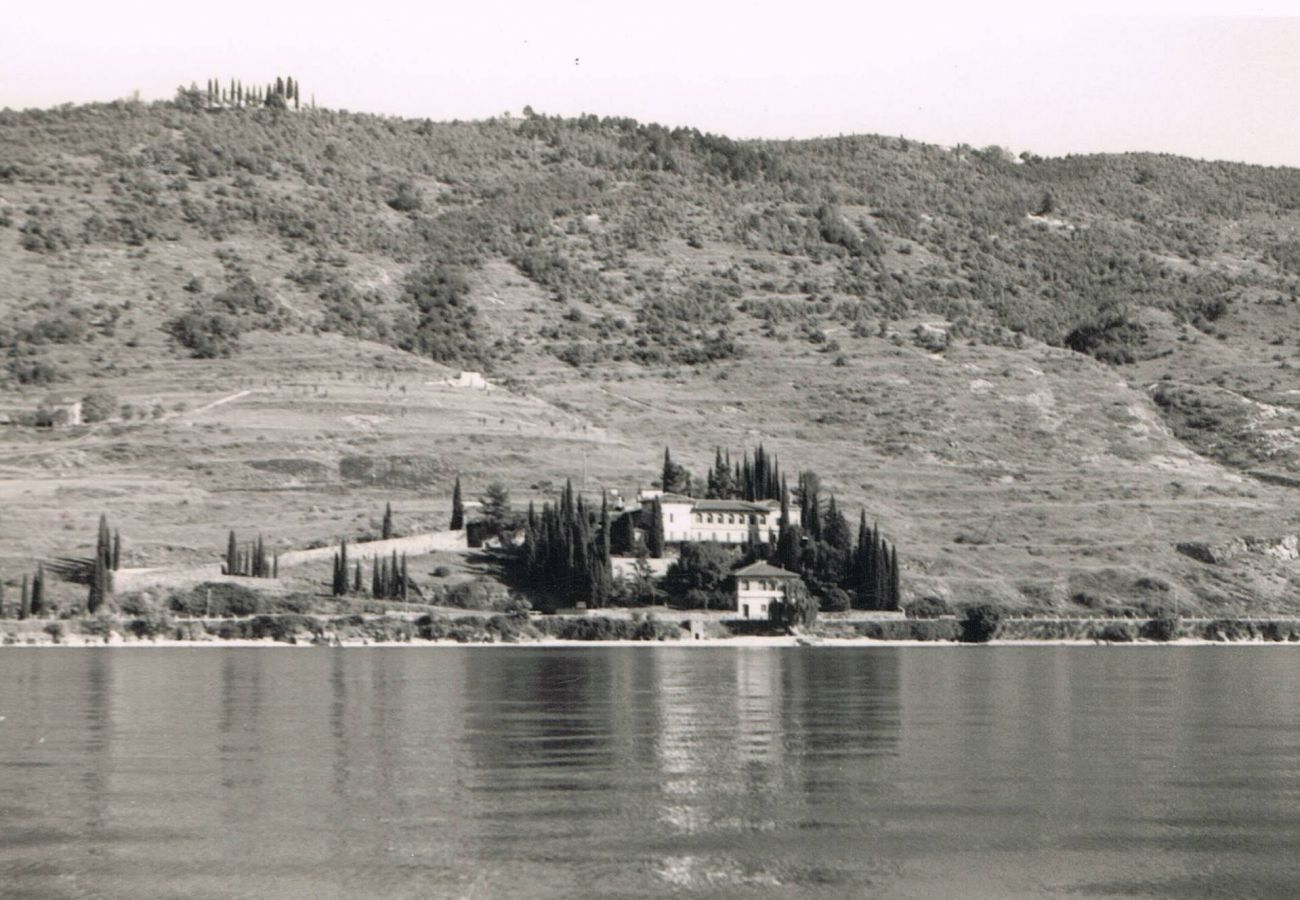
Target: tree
(565, 555)
(232, 554)
(38, 590)
(117, 550)
(495, 504)
(674, 479)
(979, 624)
(655, 530)
(641, 588)
(835, 529)
(388, 521)
(699, 575)
(101, 578)
(796, 609)
(25, 600)
(457, 508)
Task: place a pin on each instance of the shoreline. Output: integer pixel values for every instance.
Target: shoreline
(739, 643)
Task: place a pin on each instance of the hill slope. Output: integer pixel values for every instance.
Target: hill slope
(1040, 375)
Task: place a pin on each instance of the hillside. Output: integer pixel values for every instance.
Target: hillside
(1039, 375)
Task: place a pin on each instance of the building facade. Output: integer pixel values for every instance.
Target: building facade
(725, 521)
(758, 586)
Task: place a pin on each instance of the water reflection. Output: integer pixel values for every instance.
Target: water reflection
(635, 771)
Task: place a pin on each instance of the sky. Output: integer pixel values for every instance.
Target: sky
(1201, 78)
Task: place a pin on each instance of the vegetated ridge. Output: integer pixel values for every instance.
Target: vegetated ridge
(1043, 376)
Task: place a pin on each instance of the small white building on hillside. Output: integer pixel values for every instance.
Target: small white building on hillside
(758, 586)
(724, 521)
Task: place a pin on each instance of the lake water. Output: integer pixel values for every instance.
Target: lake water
(635, 771)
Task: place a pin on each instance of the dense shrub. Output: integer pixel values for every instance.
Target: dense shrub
(698, 578)
(1113, 339)
(1117, 633)
(927, 607)
(440, 320)
(979, 624)
(218, 599)
(98, 406)
(207, 335)
(603, 628)
(1162, 627)
(909, 630)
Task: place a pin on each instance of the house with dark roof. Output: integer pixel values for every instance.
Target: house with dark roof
(758, 585)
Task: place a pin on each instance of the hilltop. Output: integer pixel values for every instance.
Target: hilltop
(1039, 375)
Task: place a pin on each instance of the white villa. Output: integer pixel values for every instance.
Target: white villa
(724, 521)
(758, 586)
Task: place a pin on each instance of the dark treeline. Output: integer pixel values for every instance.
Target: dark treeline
(251, 560)
(566, 550)
(389, 579)
(746, 479)
(280, 94)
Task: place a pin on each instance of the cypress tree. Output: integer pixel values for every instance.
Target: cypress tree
(343, 566)
(232, 554)
(2, 598)
(388, 521)
(117, 549)
(836, 531)
(275, 564)
(404, 582)
(25, 600)
(457, 508)
(356, 578)
(100, 577)
(655, 530)
(334, 581)
(376, 578)
(666, 477)
(38, 590)
(789, 548)
(895, 585)
(604, 529)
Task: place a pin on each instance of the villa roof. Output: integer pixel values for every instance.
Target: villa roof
(763, 570)
(744, 506)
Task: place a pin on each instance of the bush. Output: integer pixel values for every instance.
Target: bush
(603, 628)
(928, 607)
(98, 406)
(698, 577)
(149, 626)
(96, 626)
(207, 335)
(834, 599)
(1161, 627)
(979, 624)
(407, 198)
(1117, 633)
(908, 630)
(218, 599)
(285, 628)
(54, 630)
